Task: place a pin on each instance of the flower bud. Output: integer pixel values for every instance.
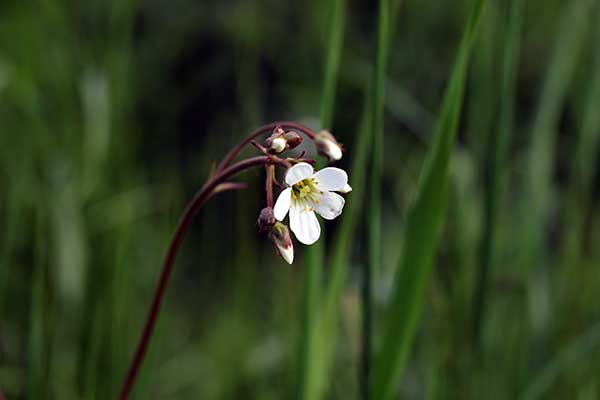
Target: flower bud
(278, 145)
(277, 142)
(293, 139)
(280, 236)
(266, 220)
(327, 146)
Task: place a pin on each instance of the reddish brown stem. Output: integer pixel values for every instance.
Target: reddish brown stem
(184, 223)
(259, 147)
(224, 187)
(270, 172)
(260, 131)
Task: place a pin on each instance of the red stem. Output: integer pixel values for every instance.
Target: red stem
(190, 211)
(263, 129)
(270, 172)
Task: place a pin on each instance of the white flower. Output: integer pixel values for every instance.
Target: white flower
(308, 192)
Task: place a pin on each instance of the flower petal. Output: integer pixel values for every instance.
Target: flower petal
(346, 189)
(331, 178)
(304, 223)
(298, 172)
(329, 205)
(287, 253)
(283, 203)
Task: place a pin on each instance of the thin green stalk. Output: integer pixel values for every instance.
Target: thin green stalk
(497, 148)
(312, 383)
(581, 174)
(538, 181)
(483, 81)
(342, 248)
(308, 350)
(423, 227)
(532, 255)
(342, 244)
(334, 55)
(328, 318)
(571, 356)
(373, 265)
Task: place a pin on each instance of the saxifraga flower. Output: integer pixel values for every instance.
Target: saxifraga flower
(309, 192)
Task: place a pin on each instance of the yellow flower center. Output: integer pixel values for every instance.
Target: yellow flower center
(306, 190)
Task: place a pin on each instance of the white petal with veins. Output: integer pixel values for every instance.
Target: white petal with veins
(298, 172)
(329, 205)
(331, 178)
(304, 223)
(283, 203)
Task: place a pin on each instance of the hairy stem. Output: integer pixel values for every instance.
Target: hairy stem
(184, 223)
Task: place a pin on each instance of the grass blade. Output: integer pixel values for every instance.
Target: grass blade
(581, 175)
(312, 383)
(531, 256)
(374, 210)
(334, 55)
(326, 327)
(497, 148)
(539, 163)
(568, 358)
(342, 242)
(423, 227)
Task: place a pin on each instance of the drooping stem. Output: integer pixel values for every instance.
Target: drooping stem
(184, 223)
(260, 131)
(270, 172)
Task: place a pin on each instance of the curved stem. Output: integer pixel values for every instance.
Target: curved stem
(188, 215)
(263, 129)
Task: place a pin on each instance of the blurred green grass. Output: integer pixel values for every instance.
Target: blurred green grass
(111, 112)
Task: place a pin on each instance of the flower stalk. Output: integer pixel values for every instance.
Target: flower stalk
(207, 191)
(270, 176)
(218, 182)
(261, 131)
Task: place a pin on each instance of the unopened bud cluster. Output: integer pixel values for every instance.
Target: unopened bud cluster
(280, 140)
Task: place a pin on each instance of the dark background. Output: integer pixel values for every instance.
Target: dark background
(111, 113)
